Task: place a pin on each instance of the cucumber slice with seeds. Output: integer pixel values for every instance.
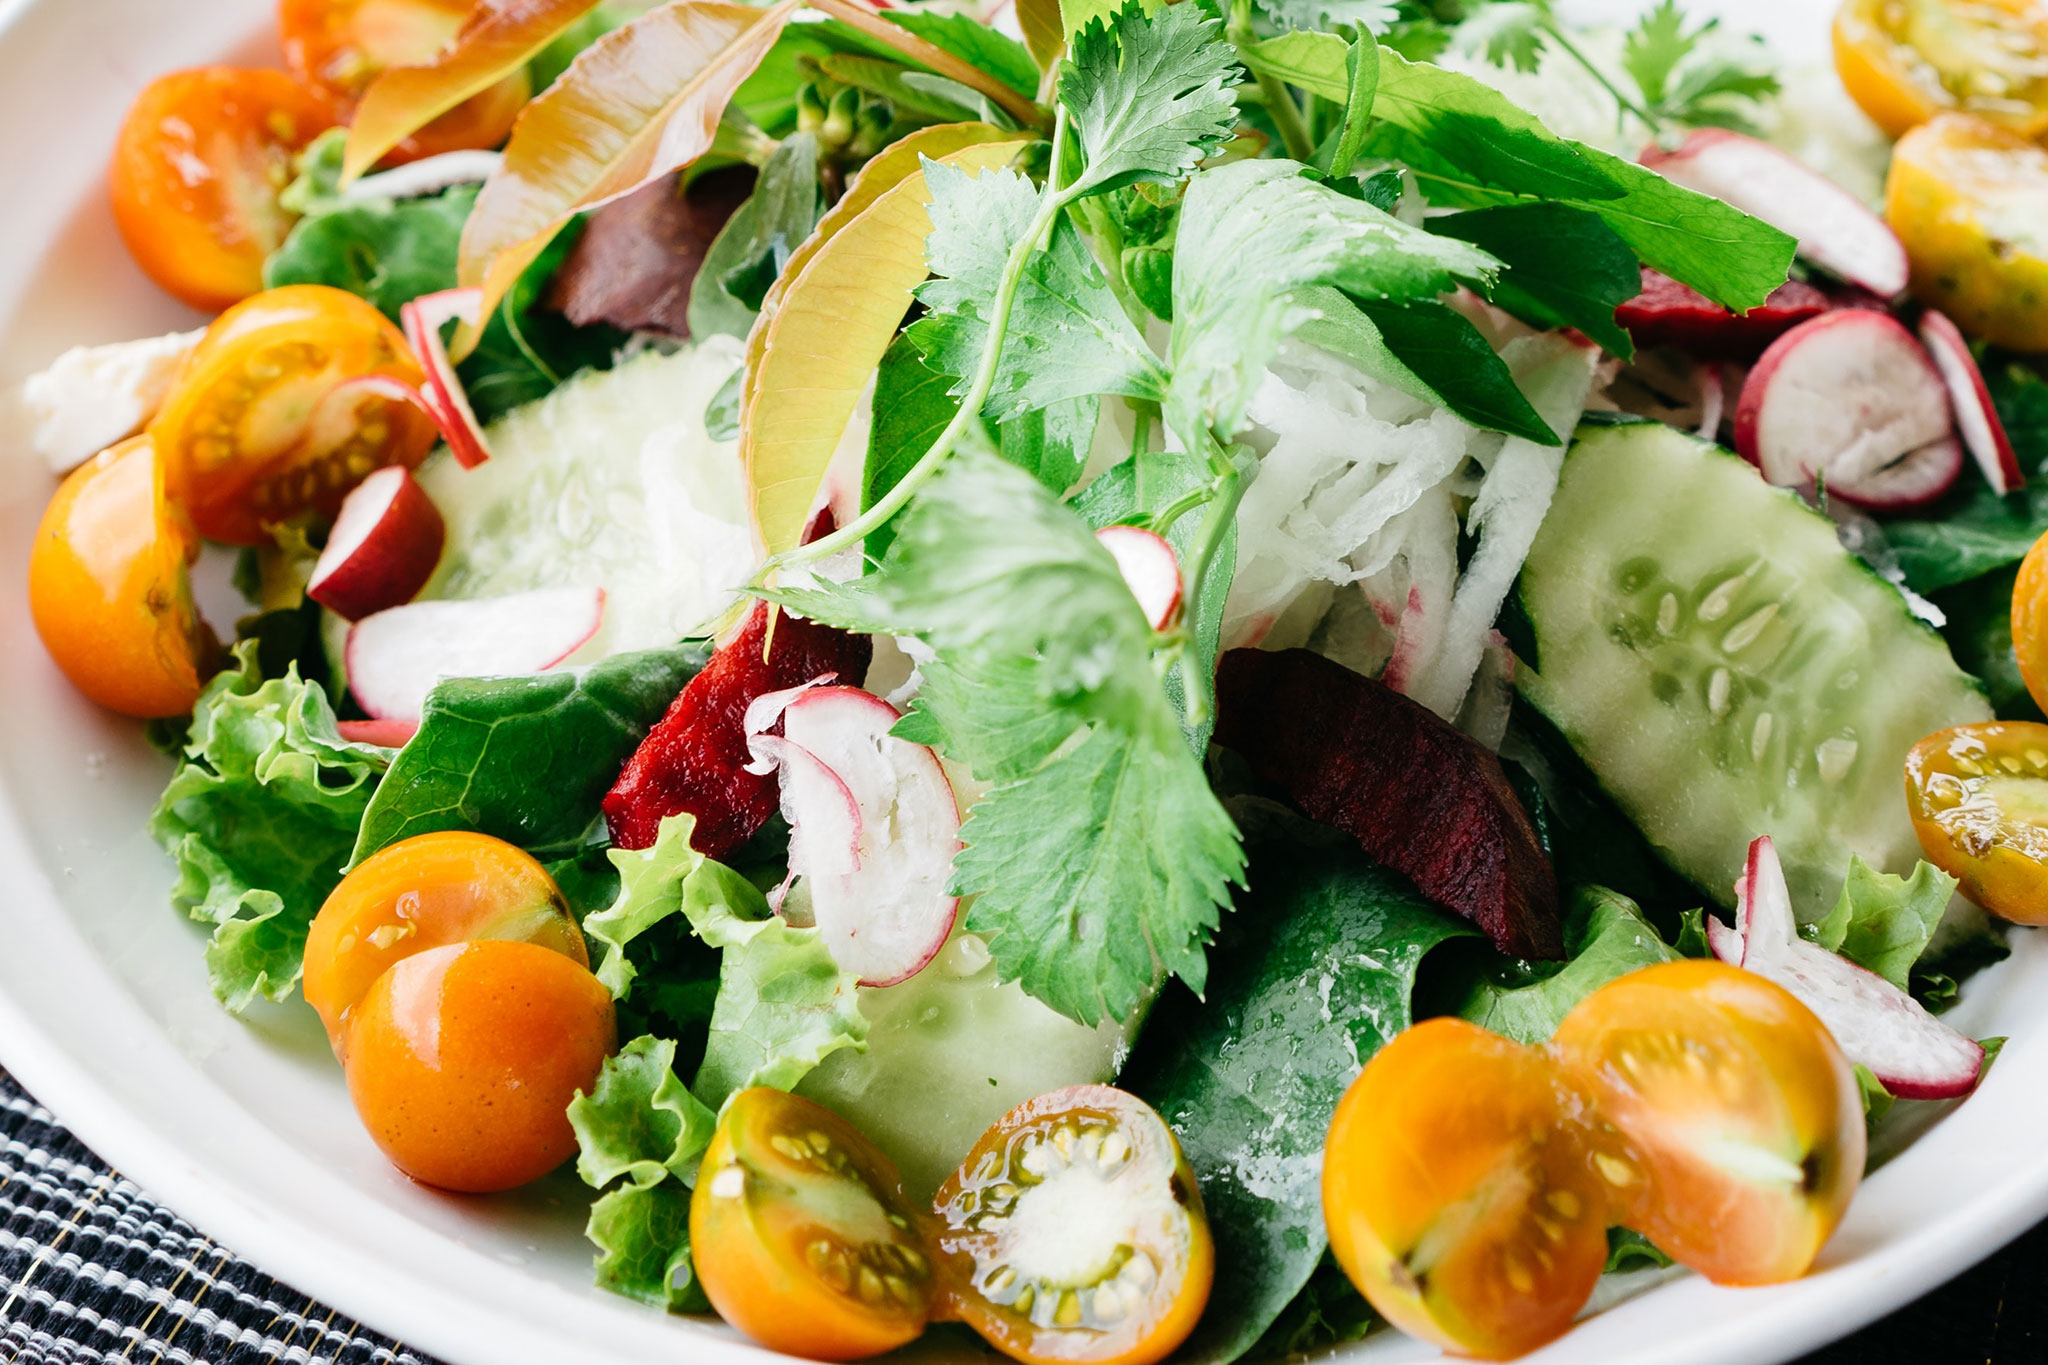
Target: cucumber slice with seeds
(1725, 668)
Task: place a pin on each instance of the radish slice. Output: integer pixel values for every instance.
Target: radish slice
(1907, 484)
(881, 901)
(395, 657)
(764, 712)
(383, 548)
(1835, 230)
(1839, 399)
(1976, 416)
(1916, 1055)
(389, 734)
(1150, 567)
(423, 319)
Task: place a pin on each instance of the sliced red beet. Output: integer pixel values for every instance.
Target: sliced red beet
(1668, 313)
(1418, 795)
(696, 758)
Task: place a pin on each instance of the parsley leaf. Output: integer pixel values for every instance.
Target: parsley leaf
(1150, 97)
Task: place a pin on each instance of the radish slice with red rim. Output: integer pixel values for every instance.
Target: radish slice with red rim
(824, 820)
(383, 548)
(1916, 1055)
(1976, 415)
(1907, 484)
(1149, 567)
(423, 318)
(396, 657)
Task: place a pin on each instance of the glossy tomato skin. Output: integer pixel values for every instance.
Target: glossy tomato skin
(2030, 620)
(431, 890)
(1459, 1191)
(342, 46)
(109, 591)
(1731, 1130)
(1956, 188)
(1905, 61)
(1978, 798)
(1074, 1233)
(802, 1235)
(198, 166)
(463, 1059)
(259, 425)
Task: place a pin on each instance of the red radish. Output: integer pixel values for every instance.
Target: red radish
(1841, 399)
(1916, 1055)
(1976, 416)
(383, 548)
(395, 657)
(1667, 313)
(1835, 230)
(449, 406)
(880, 896)
(1906, 485)
(389, 734)
(1149, 566)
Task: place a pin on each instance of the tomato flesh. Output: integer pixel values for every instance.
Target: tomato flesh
(1731, 1128)
(261, 424)
(1075, 1232)
(1459, 1192)
(198, 166)
(1904, 61)
(802, 1235)
(427, 892)
(1978, 796)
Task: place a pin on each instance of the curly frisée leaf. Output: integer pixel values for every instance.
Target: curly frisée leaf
(497, 41)
(1150, 97)
(638, 103)
(652, 886)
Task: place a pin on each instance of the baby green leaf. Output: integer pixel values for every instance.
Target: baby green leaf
(1566, 267)
(1441, 347)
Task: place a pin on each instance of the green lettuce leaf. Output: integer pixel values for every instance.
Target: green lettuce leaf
(652, 886)
(260, 817)
(643, 1246)
(1883, 922)
(1606, 937)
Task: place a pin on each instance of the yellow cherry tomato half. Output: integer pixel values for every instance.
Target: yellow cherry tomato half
(2030, 621)
(259, 425)
(1731, 1129)
(109, 591)
(1074, 1232)
(1978, 797)
(462, 1061)
(1458, 1191)
(425, 892)
(802, 1235)
(1904, 61)
(1970, 203)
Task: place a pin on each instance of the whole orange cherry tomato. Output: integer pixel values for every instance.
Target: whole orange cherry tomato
(259, 425)
(108, 587)
(425, 892)
(343, 46)
(802, 1235)
(462, 1061)
(1905, 61)
(1964, 197)
(1978, 797)
(198, 165)
(1074, 1232)
(1459, 1194)
(1731, 1130)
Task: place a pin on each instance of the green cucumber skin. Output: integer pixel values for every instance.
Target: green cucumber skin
(1725, 668)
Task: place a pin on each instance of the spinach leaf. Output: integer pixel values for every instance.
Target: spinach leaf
(1310, 977)
(747, 255)
(525, 759)
(1566, 268)
(1442, 348)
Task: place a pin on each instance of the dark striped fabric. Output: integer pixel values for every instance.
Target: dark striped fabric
(92, 1272)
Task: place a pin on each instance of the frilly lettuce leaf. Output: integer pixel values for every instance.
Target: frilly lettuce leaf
(260, 818)
(1883, 922)
(1606, 937)
(651, 888)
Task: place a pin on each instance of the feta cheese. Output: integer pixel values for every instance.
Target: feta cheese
(93, 396)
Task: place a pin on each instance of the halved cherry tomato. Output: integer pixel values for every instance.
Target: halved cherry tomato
(197, 169)
(1978, 796)
(343, 46)
(261, 425)
(1074, 1232)
(425, 892)
(802, 1234)
(1459, 1194)
(2030, 621)
(108, 587)
(462, 1061)
(1905, 61)
(1970, 202)
(1731, 1130)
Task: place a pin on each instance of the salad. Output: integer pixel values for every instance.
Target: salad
(1163, 679)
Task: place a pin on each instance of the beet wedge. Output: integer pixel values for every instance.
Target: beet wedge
(1419, 796)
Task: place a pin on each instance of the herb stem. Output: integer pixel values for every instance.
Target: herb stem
(1627, 105)
(1224, 494)
(928, 464)
(1273, 92)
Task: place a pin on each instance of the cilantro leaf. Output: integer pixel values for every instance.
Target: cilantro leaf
(1566, 267)
(1149, 97)
(1067, 336)
(1507, 34)
(1681, 81)
(1375, 15)
(1652, 50)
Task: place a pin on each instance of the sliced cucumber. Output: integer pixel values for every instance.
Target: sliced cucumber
(949, 1052)
(1725, 668)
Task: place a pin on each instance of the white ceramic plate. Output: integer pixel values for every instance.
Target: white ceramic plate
(244, 1127)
